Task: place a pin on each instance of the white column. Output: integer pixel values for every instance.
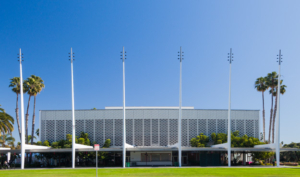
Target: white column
(73, 114)
(229, 116)
(124, 115)
(22, 115)
(180, 111)
(8, 157)
(277, 136)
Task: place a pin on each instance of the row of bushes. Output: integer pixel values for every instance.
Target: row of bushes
(236, 140)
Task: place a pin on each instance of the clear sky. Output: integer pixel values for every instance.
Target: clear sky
(152, 33)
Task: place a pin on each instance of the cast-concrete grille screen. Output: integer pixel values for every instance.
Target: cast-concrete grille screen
(147, 127)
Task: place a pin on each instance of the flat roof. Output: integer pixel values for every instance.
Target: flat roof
(149, 107)
(153, 149)
(143, 108)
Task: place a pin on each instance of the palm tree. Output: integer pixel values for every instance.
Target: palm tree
(271, 82)
(29, 88)
(33, 85)
(6, 122)
(12, 145)
(282, 91)
(31, 137)
(261, 86)
(15, 84)
(37, 132)
(38, 88)
(6, 138)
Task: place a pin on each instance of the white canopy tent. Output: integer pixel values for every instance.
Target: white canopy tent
(268, 146)
(29, 146)
(173, 145)
(81, 146)
(129, 145)
(223, 146)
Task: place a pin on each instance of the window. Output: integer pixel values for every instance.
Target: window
(145, 157)
(165, 156)
(155, 157)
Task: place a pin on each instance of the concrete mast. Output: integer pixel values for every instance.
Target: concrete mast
(230, 56)
(180, 110)
(124, 114)
(73, 112)
(22, 114)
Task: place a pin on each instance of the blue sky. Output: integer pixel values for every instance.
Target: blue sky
(152, 32)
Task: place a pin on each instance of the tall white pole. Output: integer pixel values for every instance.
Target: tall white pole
(277, 141)
(124, 115)
(73, 113)
(229, 112)
(22, 114)
(180, 111)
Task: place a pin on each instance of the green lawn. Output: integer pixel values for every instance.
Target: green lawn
(155, 172)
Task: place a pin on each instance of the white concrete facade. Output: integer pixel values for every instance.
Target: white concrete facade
(145, 127)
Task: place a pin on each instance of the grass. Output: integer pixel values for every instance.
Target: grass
(145, 172)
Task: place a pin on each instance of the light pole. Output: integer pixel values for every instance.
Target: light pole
(22, 113)
(180, 111)
(230, 56)
(73, 111)
(124, 115)
(277, 142)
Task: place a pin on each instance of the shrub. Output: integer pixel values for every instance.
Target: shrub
(199, 141)
(290, 163)
(46, 143)
(54, 145)
(81, 140)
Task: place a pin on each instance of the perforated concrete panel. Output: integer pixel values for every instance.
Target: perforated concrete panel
(146, 127)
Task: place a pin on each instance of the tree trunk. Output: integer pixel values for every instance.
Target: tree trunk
(33, 120)
(26, 122)
(3, 141)
(33, 124)
(264, 122)
(17, 115)
(274, 116)
(296, 154)
(271, 112)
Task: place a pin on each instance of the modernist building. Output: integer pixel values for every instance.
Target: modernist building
(146, 127)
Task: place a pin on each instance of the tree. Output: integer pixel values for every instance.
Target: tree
(219, 138)
(33, 86)
(261, 86)
(262, 155)
(282, 91)
(84, 139)
(31, 137)
(54, 145)
(15, 84)
(106, 143)
(11, 144)
(236, 141)
(293, 156)
(6, 139)
(46, 143)
(6, 122)
(271, 82)
(37, 132)
(29, 88)
(200, 141)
